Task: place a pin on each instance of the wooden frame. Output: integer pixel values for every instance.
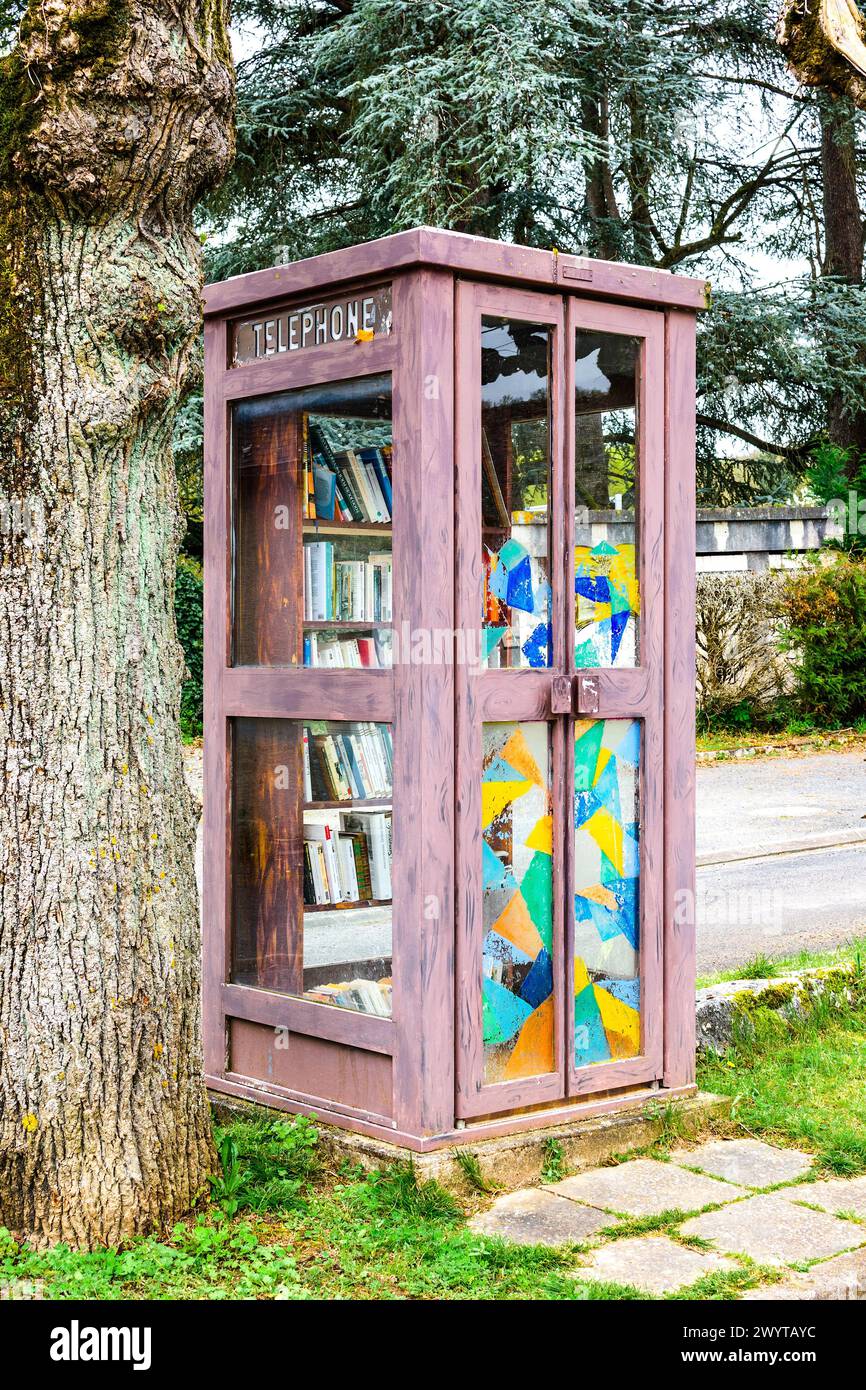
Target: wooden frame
(406, 1077)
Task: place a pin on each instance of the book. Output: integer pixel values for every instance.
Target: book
(347, 763)
(352, 471)
(365, 996)
(308, 783)
(361, 857)
(318, 598)
(375, 459)
(375, 826)
(325, 489)
(323, 835)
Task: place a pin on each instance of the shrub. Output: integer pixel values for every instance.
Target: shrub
(740, 670)
(189, 612)
(824, 629)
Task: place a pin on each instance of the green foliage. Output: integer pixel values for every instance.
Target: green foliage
(553, 1168)
(266, 1163)
(227, 1185)
(189, 614)
(838, 476)
(188, 446)
(545, 123)
(824, 615)
(662, 134)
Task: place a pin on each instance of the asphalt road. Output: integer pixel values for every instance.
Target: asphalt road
(785, 902)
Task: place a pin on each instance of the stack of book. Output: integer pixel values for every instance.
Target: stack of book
(353, 485)
(322, 649)
(366, 996)
(349, 865)
(353, 765)
(355, 591)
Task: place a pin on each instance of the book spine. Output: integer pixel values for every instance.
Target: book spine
(308, 783)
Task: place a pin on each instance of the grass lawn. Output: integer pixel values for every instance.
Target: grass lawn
(801, 1083)
(281, 1224)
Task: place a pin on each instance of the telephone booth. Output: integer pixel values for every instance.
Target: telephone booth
(449, 687)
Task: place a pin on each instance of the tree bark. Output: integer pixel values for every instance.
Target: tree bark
(115, 116)
(843, 247)
(825, 44)
(823, 41)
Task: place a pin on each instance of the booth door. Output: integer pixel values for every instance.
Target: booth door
(559, 677)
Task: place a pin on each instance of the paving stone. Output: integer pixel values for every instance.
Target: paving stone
(653, 1264)
(533, 1217)
(644, 1187)
(838, 1279)
(749, 1162)
(774, 1231)
(832, 1194)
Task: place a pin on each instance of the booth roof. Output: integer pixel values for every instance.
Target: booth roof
(461, 254)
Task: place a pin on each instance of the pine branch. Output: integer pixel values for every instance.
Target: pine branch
(795, 452)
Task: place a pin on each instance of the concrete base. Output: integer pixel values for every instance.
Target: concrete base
(515, 1160)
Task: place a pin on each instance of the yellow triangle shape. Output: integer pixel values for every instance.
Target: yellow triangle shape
(541, 837)
(581, 976)
(495, 796)
(621, 1024)
(607, 834)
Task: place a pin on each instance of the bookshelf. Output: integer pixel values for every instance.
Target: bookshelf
(449, 739)
(314, 523)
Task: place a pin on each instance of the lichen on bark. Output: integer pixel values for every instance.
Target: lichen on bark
(825, 44)
(114, 118)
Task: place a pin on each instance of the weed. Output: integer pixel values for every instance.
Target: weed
(553, 1161)
(471, 1169)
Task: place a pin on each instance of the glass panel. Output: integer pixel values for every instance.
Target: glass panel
(312, 526)
(311, 860)
(515, 493)
(517, 907)
(606, 883)
(606, 481)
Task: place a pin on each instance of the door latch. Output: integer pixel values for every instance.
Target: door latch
(560, 695)
(586, 693)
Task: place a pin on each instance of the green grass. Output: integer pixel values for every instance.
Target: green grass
(763, 967)
(800, 1081)
(282, 1227)
(281, 1222)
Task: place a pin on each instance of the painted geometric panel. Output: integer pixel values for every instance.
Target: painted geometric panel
(606, 605)
(515, 493)
(517, 901)
(606, 890)
(516, 618)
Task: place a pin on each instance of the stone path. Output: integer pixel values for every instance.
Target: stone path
(726, 1202)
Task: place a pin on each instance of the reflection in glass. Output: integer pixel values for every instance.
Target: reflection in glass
(515, 493)
(313, 511)
(606, 483)
(312, 860)
(517, 901)
(606, 896)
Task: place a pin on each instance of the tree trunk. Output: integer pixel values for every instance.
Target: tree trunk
(843, 249)
(115, 118)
